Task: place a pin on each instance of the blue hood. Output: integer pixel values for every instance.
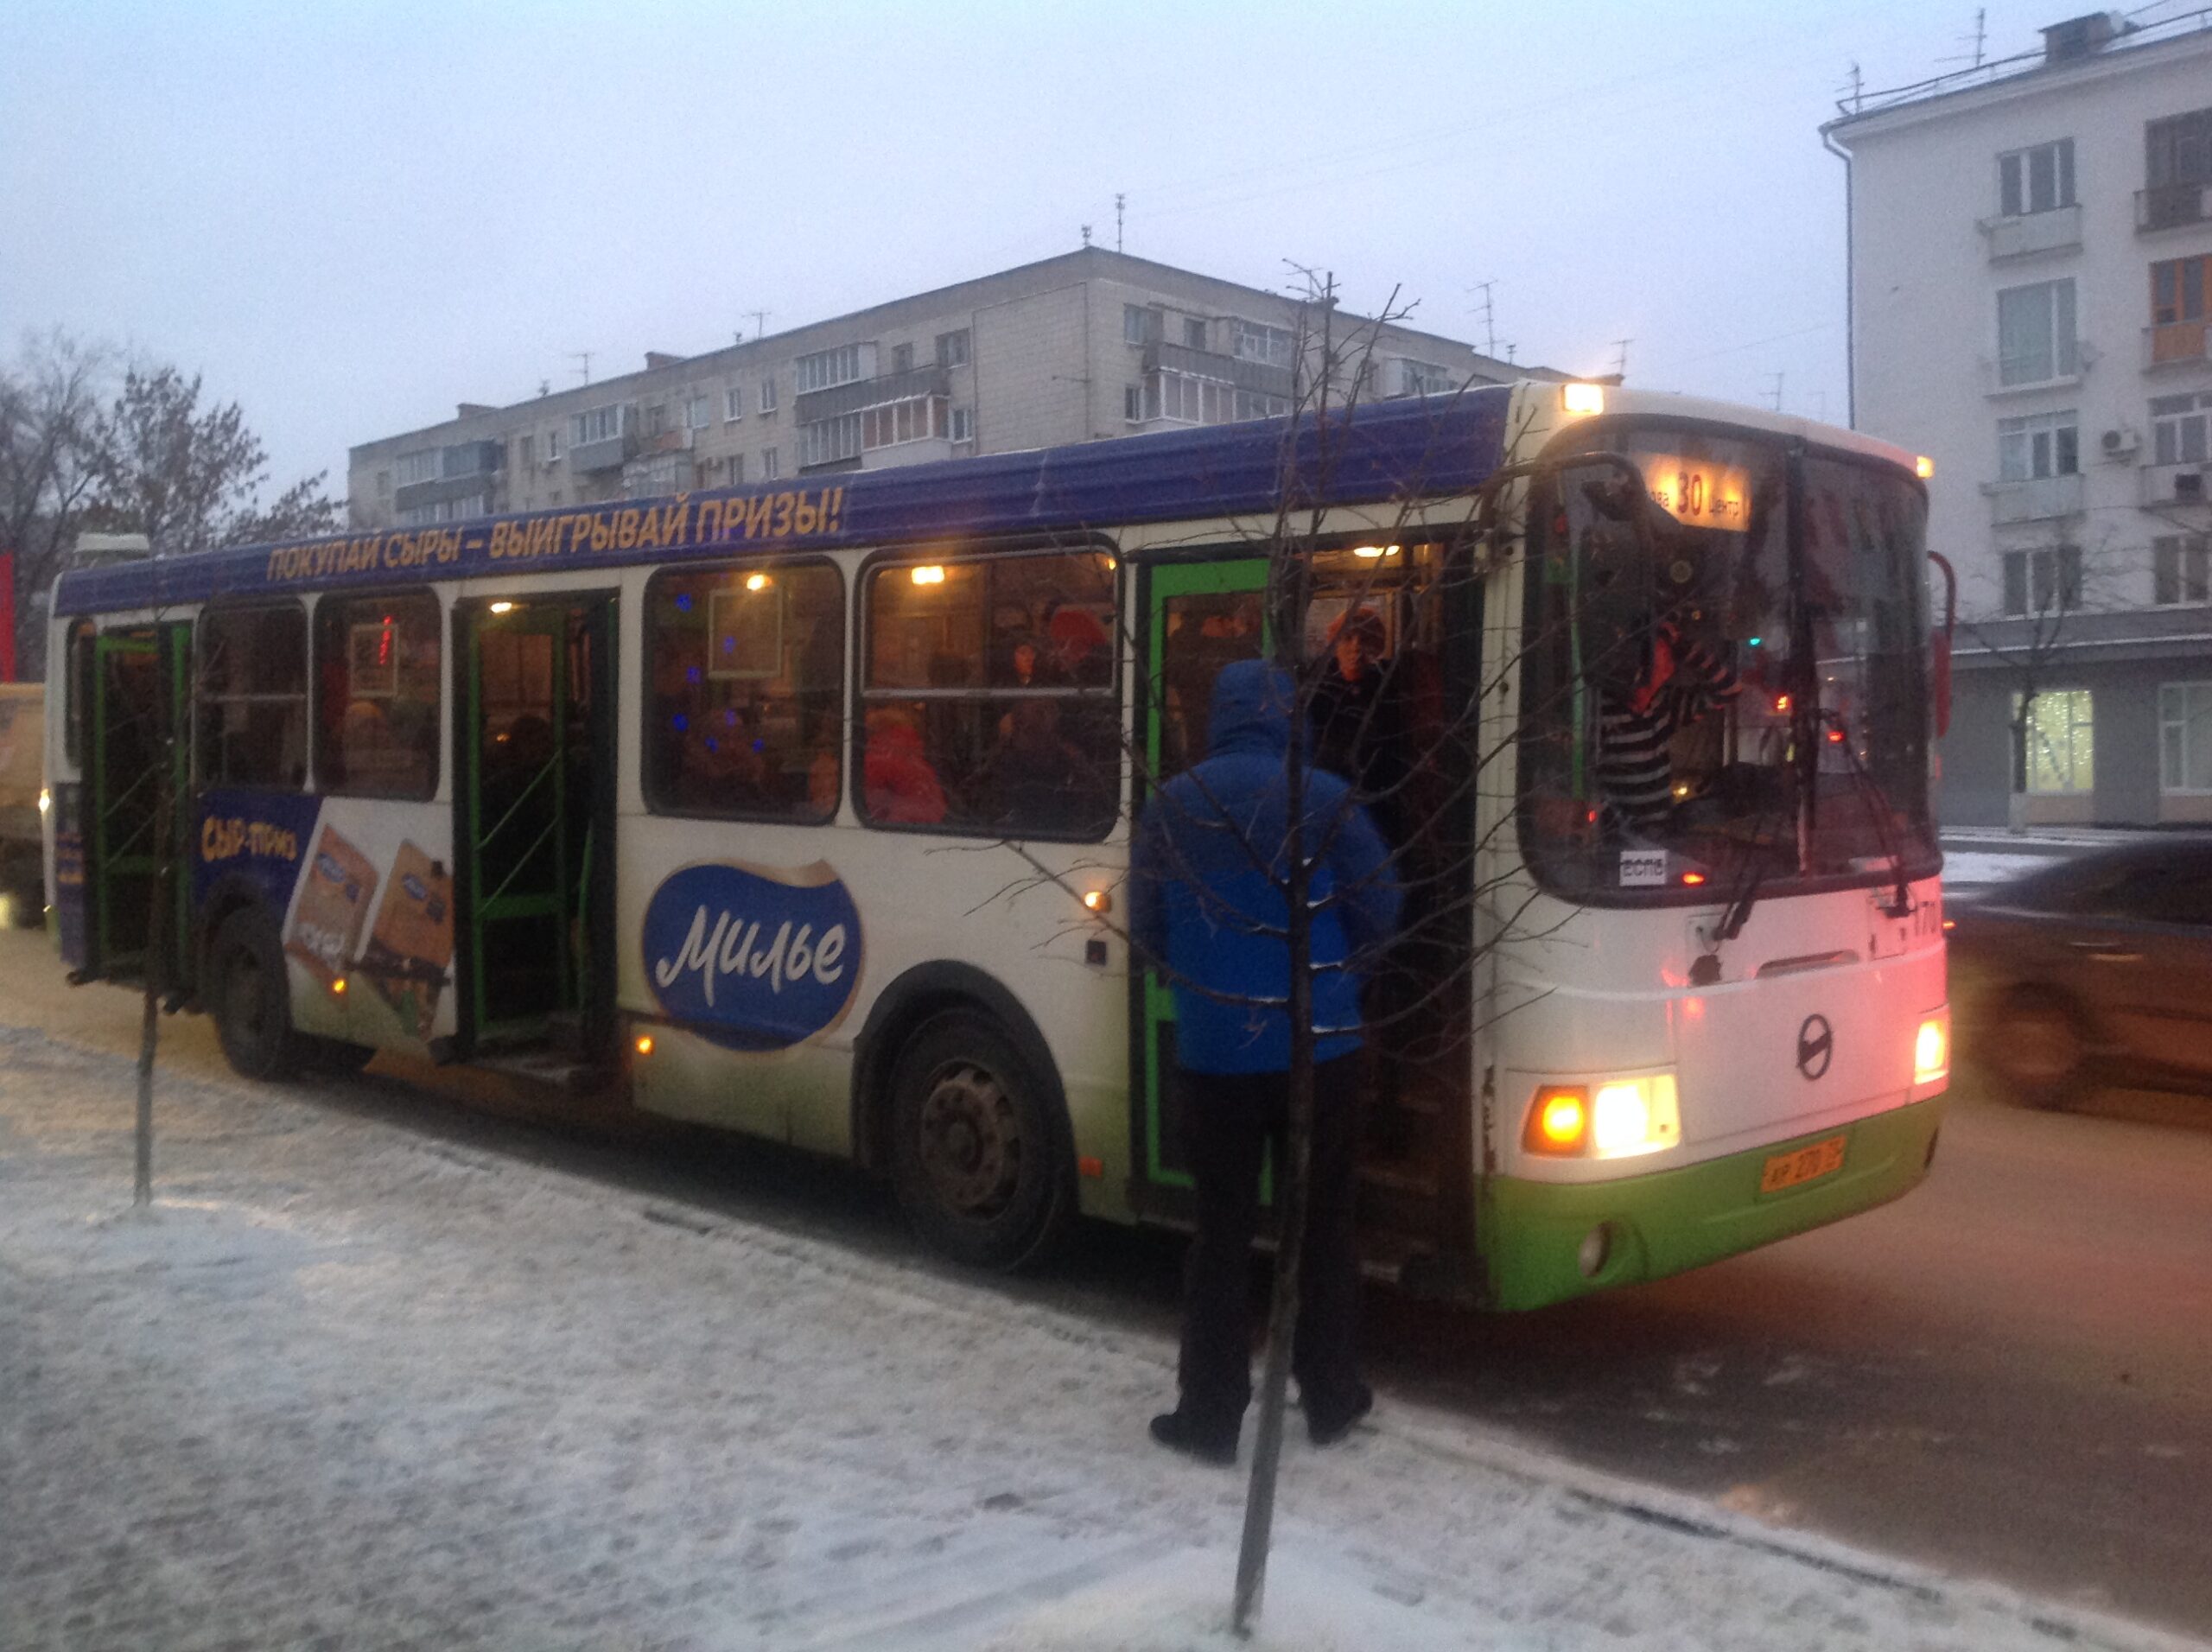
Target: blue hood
(1252, 706)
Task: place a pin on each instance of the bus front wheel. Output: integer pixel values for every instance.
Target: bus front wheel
(979, 1157)
(253, 1016)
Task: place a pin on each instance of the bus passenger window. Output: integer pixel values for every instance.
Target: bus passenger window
(377, 678)
(991, 702)
(76, 691)
(251, 723)
(745, 673)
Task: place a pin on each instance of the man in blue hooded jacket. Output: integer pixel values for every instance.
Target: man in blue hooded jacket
(1207, 879)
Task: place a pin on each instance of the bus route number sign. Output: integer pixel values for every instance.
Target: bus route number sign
(1802, 1165)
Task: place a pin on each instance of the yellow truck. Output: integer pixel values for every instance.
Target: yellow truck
(22, 875)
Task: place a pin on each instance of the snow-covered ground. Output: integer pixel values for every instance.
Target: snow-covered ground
(1978, 868)
(349, 1387)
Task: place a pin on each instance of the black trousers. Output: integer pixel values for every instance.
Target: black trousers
(1229, 1119)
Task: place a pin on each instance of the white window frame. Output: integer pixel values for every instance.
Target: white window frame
(843, 364)
(2188, 558)
(1257, 341)
(1143, 324)
(963, 424)
(2016, 168)
(2077, 758)
(2042, 567)
(768, 394)
(698, 412)
(771, 465)
(823, 441)
(553, 446)
(954, 349)
(2182, 706)
(2035, 445)
(733, 404)
(600, 423)
(423, 465)
(2180, 428)
(2061, 321)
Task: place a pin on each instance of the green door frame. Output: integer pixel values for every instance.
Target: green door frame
(1155, 1000)
(137, 857)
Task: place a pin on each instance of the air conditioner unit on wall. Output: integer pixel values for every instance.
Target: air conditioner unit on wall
(2121, 443)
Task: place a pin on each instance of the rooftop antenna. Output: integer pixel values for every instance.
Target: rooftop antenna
(1487, 316)
(582, 357)
(544, 387)
(1776, 392)
(1857, 94)
(759, 321)
(1978, 40)
(1119, 197)
(1086, 235)
(1620, 357)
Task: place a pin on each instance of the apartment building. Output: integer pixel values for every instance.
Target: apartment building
(1087, 346)
(2031, 255)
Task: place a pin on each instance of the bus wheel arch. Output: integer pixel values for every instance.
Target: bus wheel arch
(957, 1099)
(245, 988)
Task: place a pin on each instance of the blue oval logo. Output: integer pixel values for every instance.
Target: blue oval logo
(414, 886)
(750, 957)
(330, 868)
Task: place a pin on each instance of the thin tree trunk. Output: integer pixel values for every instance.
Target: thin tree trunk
(157, 946)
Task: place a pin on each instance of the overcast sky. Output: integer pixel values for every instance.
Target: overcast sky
(350, 217)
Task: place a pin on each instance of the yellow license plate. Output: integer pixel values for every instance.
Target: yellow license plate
(1805, 1165)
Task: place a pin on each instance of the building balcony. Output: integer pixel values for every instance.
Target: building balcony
(1263, 376)
(653, 474)
(923, 451)
(2176, 343)
(2026, 234)
(2043, 498)
(610, 454)
(2169, 487)
(816, 405)
(2172, 206)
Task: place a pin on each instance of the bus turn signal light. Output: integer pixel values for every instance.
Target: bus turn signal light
(1559, 1123)
(644, 1044)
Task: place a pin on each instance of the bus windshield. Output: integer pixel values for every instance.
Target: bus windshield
(1725, 669)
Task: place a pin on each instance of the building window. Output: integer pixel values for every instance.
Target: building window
(377, 679)
(655, 418)
(1427, 378)
(733, 404)
(524, 447)
(2185, 737)
(2061, 745)
(2177, 164)
(2035, 333)
(990, 701)
(952, 348)
(2178, 287)
(2042, 444)
(552, 448)
(423, 465)
(915, 419)
(1142, 324)
(772, 467)
(902, 357)
(2181, 569)
(963, 424)
(827, 369)
(1194, 334)
(1251, 341)
(1189, 399)
(2037, 582)
(737, 470)
(824, 441)
(597, 425)
(384, 484)
(697, 413)
(251, 727)
(2179, 428)
(768, 394)
(2036, 179)
(1132, 404)
(746, 709)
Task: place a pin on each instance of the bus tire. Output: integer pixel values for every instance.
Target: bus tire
(249, 997)
(981, 1160)
(336, 1057)
(2039, 1048)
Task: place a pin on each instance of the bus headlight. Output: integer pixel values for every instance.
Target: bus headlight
(1617, 1119)
(1931, 1048)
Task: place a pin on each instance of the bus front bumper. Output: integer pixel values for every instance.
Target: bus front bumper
(1537, 1237)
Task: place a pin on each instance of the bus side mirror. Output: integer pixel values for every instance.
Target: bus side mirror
(1939, 646)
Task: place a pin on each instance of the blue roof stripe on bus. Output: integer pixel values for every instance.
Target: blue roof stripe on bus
(1385, 451)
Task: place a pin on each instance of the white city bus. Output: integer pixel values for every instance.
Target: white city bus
(803, 811)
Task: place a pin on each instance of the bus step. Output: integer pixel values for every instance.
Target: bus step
(1400, 1259)
(545, 1066)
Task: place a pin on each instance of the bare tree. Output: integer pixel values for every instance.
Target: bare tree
(49, 469)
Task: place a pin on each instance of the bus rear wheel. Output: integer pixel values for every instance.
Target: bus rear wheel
(253, 1016)
(979, 1155)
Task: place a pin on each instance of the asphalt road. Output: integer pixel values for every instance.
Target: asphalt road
(2007, 1374)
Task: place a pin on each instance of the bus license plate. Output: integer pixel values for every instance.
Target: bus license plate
(1805, 1165)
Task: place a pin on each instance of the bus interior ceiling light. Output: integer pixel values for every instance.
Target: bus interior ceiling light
(1582, 398)
(1375, 552)
(502, 608)
(929, 574)
(757, 582)
(644, 1044)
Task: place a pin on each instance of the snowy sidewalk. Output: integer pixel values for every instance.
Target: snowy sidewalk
(353, 1388)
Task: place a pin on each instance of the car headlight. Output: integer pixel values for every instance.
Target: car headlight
(1617, 1118)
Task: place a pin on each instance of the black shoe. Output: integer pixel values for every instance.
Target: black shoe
(1180, 1432)
(1326, 1425)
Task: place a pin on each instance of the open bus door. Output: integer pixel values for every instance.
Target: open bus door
(533, 828)
(1415, 1156)
(140, 692)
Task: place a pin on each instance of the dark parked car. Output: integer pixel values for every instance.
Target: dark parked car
(2095, 969)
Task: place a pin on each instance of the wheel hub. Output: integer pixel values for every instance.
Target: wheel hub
(970, 1140)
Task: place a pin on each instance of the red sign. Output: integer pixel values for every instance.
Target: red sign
(7, 616)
